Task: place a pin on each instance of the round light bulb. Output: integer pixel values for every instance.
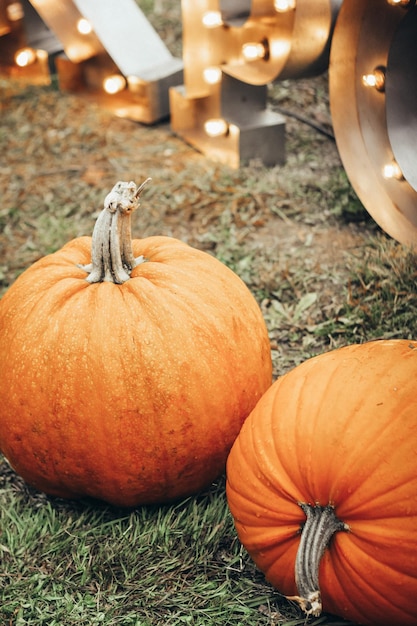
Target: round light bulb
(392, 170)
(212, 75)
(216, 127)
(375, 79)
(83, 26)
(369, 80)
(282, 6)
(114, 83)
(15, 11)
(25, 57)
(212, 19)
(253, 51)
(399, 3)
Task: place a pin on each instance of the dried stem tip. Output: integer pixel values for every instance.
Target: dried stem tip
(111, 250)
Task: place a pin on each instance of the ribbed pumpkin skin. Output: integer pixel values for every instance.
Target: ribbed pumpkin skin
(129, 393)
(339, 429)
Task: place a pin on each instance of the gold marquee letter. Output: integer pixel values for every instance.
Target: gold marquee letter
(231, 50)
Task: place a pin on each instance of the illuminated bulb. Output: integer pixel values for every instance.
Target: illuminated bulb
(83, 26)
(253, 51)
(114, 83)
(212, 19)
(15, 11)
(376, 79)
(369, 80)
(281, 6)
(216, 127)
(25, 57)
(392, 170)
(212, 75)
(399, 3)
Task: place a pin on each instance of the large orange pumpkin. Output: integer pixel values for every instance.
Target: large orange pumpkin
(129, 378)
(322, 483)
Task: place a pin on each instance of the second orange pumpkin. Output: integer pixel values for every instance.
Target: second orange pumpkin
(322, 483)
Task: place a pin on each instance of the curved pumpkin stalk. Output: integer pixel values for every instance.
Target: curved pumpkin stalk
(112, 257)
(320, 526)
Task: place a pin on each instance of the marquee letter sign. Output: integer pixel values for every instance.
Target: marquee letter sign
(26, 43)
(115, 54)
(373, 98)
(112, 53)
(232, 49)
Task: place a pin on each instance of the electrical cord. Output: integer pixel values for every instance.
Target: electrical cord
(305, 120)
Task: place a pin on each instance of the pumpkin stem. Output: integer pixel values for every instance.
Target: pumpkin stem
(316, 533)
(111, 249)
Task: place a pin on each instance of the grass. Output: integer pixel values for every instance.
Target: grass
(382, 292)
(378, 300)
(66, 563)
(323, 274)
